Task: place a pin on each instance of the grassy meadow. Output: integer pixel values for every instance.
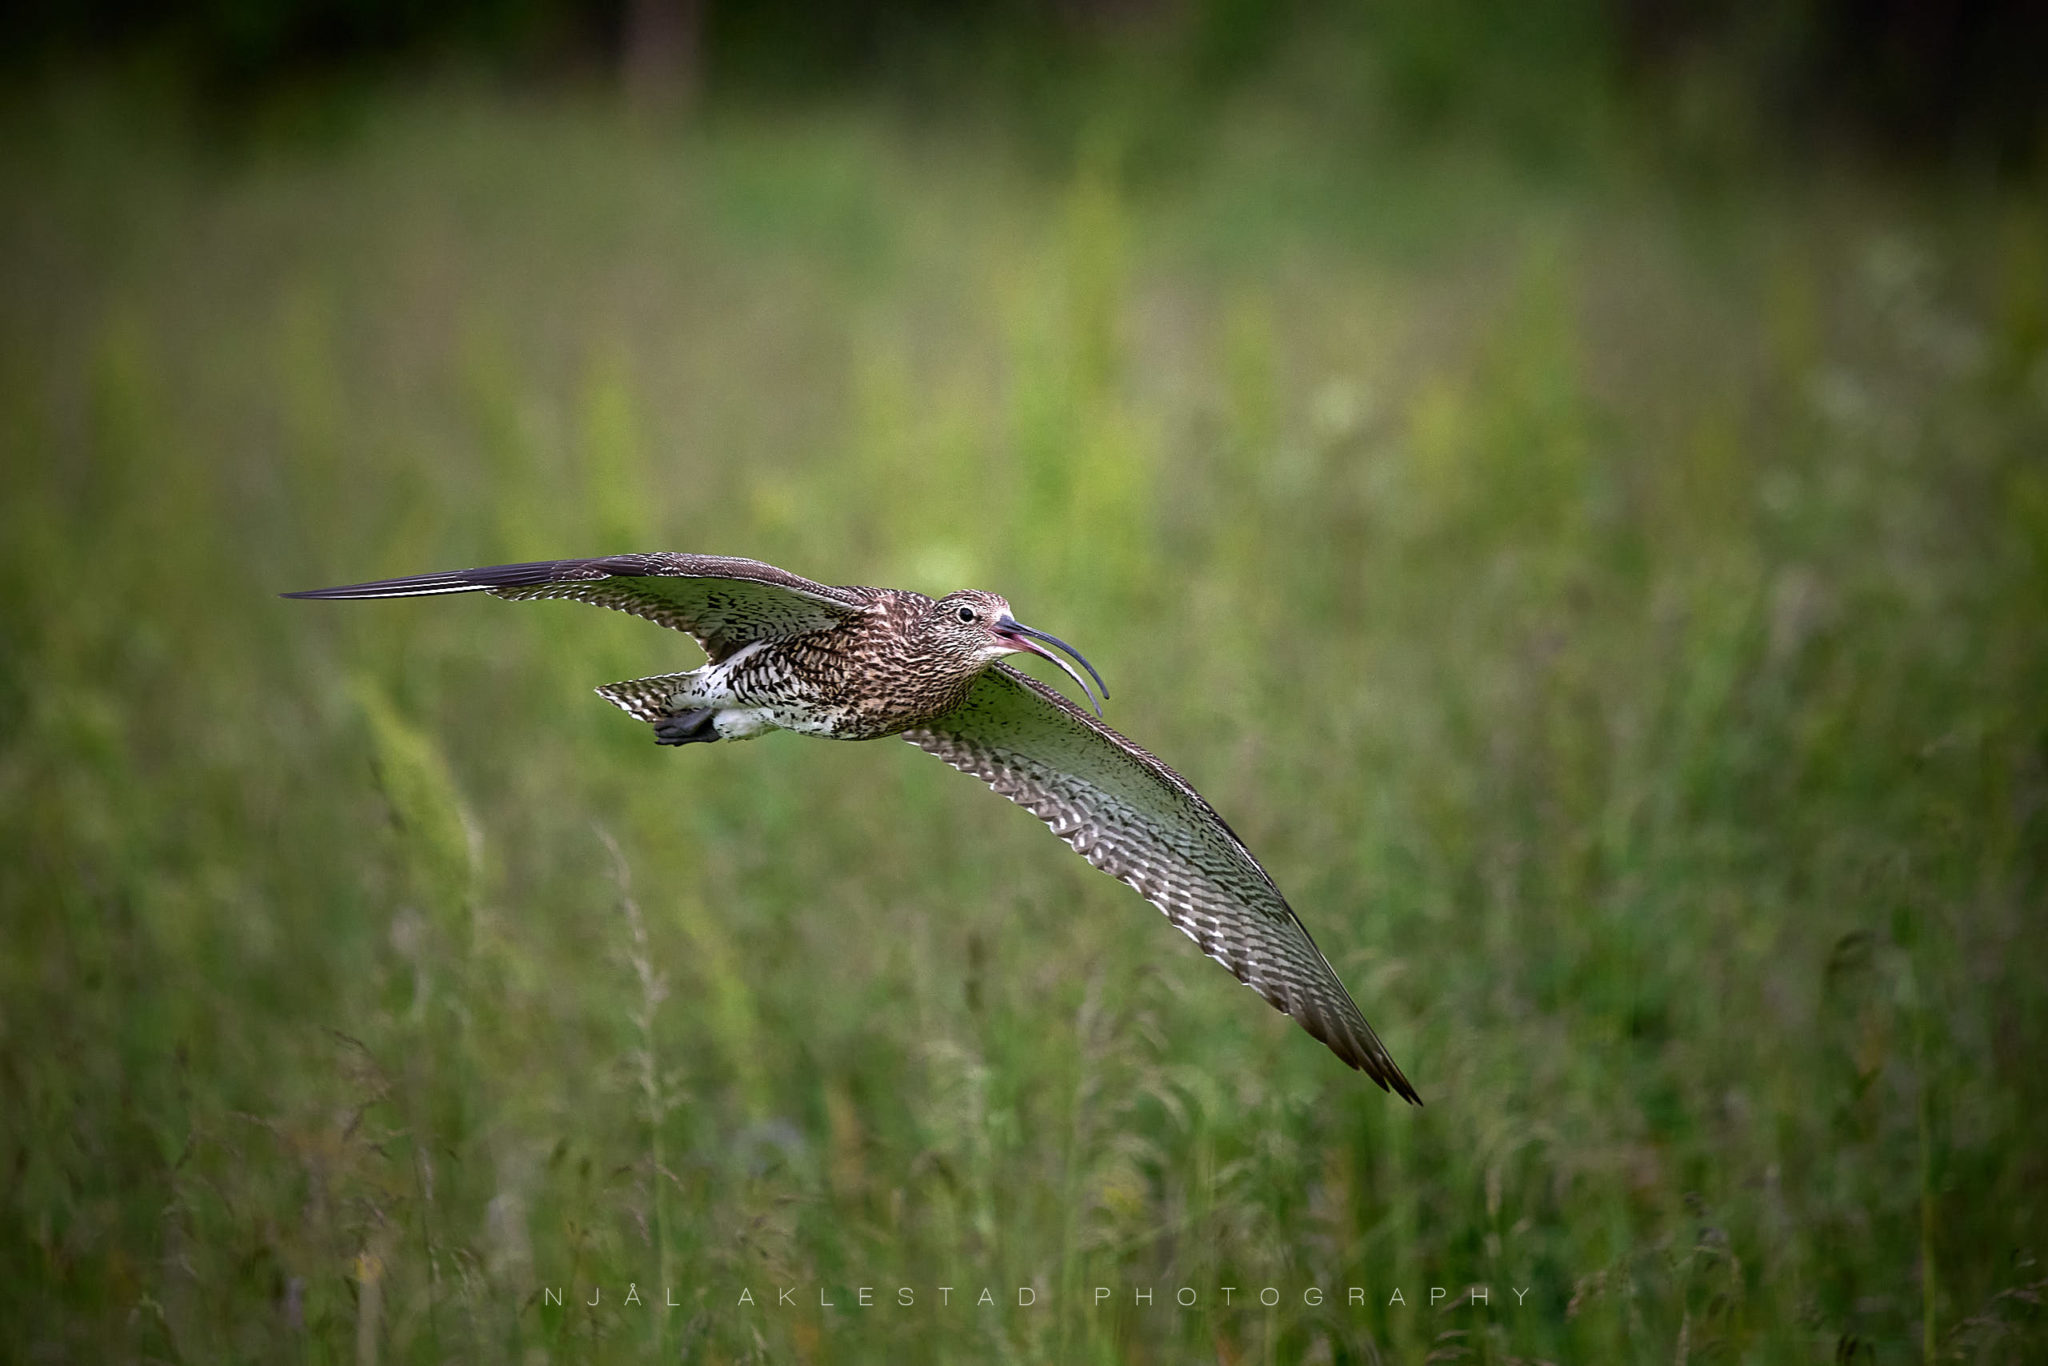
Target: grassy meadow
(1612, 601)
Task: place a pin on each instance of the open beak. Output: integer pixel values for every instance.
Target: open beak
(1024, 638)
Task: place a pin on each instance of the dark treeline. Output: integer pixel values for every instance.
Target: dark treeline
(1938, 79)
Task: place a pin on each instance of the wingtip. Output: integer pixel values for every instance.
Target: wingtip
(1360, 1048)
(1369, 1056)
(417, 586)
(1389, 1078)
(1394, 1079)
(324, 594)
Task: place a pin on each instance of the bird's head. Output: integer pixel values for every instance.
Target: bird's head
(977, 627)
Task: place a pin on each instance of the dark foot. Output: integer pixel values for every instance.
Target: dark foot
(687, 728)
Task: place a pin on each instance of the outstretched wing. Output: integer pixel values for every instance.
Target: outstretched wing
(723, 601)
(1139, 821)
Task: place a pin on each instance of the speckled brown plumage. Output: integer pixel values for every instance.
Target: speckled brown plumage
(855, 663)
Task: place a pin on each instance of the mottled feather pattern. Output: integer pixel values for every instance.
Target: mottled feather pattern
(1137, 820)
(725, 603)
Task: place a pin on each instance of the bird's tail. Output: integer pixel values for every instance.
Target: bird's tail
(646, 699)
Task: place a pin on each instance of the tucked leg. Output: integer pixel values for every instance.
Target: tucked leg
(695, 727)
(687, 709)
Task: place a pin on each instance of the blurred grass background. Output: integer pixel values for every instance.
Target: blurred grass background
(1582, 515)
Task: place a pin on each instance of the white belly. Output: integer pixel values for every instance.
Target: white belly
(746, 711)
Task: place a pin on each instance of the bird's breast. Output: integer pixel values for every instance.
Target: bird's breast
(859, 688)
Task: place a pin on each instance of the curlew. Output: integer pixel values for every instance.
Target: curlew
(847, 663)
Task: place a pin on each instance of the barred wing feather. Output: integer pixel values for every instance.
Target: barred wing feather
(723, 601)
(1139, 821)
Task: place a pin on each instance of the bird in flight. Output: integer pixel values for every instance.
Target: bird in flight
(784, 653)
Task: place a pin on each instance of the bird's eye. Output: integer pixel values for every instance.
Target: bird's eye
(966, 614)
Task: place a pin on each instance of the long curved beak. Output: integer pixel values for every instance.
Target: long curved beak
(1009, 628)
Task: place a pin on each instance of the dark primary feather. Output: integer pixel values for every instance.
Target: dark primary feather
(1139, 821)
(724, 601)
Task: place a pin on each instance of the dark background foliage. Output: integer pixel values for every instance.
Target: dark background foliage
(1927, 78)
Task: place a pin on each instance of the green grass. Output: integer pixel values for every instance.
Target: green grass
(1615, 613)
